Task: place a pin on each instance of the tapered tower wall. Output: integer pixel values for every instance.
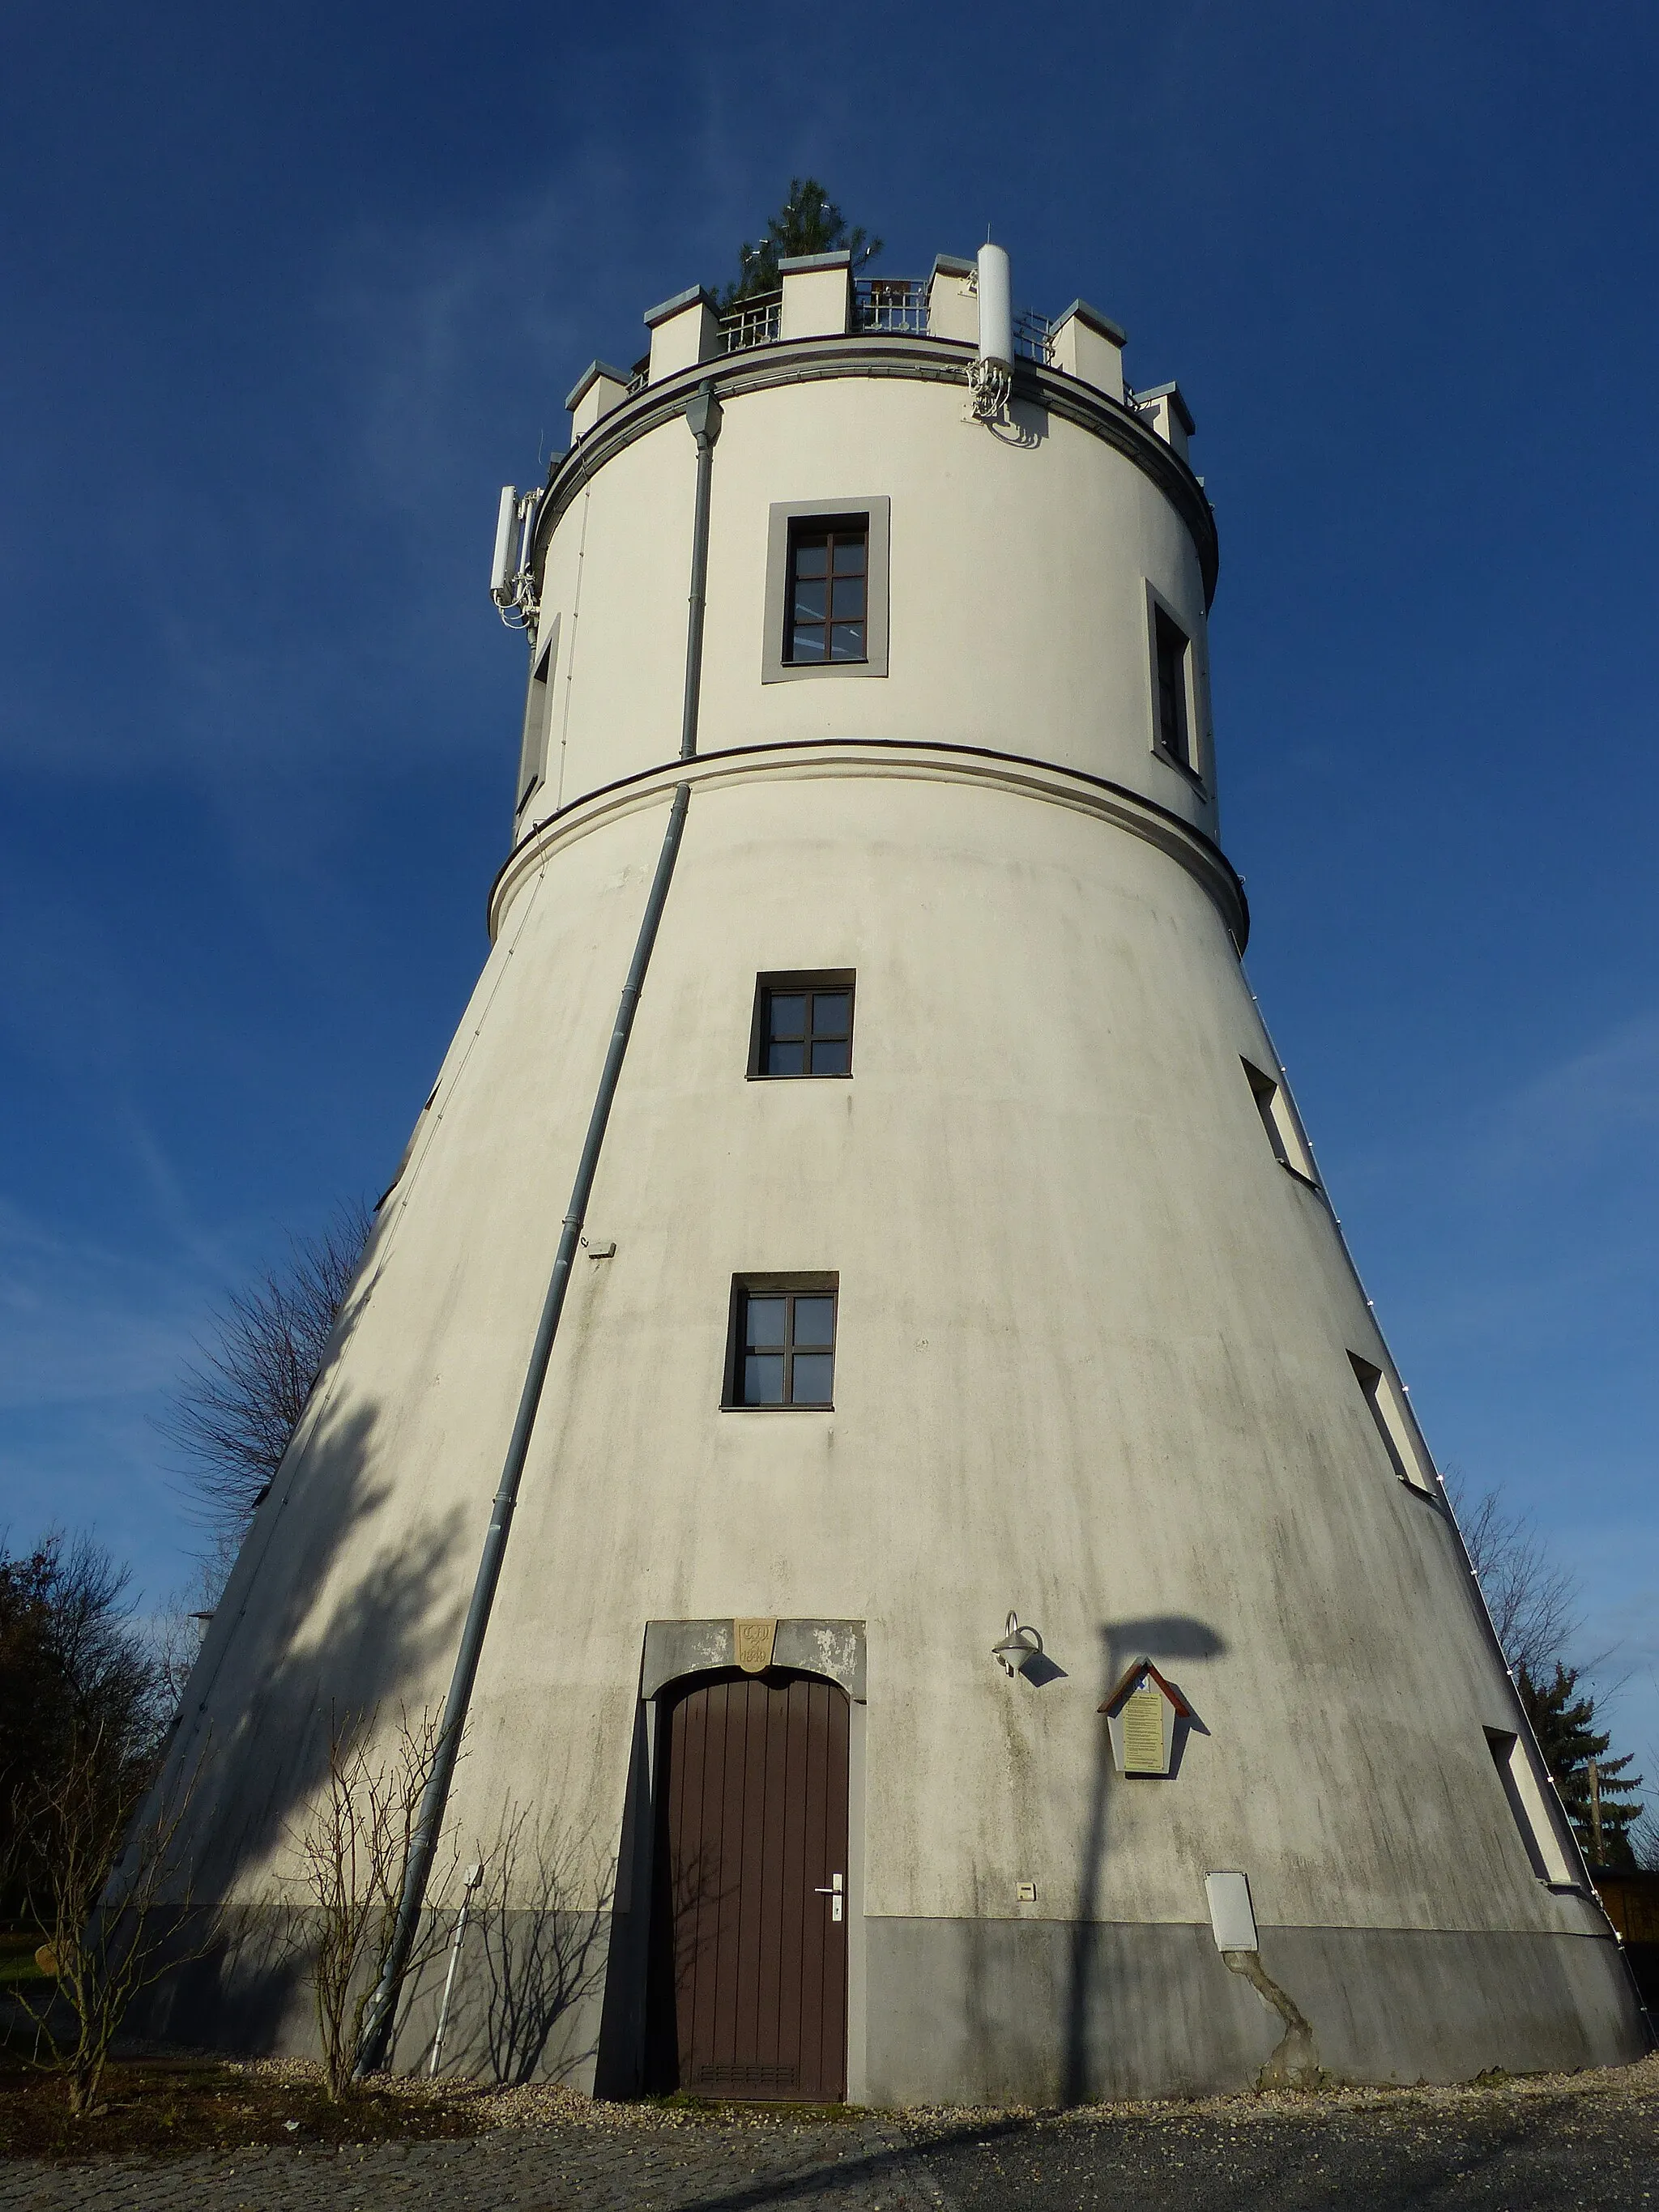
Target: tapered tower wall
(1094, 1349)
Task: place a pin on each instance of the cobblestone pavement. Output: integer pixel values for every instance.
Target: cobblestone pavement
(1588, 2143)
(1513, 2149)
(865, 2166)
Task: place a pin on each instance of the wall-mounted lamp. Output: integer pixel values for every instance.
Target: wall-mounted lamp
(1018, 1649)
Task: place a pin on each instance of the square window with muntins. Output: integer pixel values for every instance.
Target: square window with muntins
(783, 1342)
(825, 611)
(828, 606)
(803, 1024)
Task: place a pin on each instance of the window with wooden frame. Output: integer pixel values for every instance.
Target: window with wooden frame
(1530, 1810)
(1172, 648)
(826, 614)
(537, 717)
(803, 1024)
(783, 1347)
(1395, 1425)
(825, 611)
(1283, 1129)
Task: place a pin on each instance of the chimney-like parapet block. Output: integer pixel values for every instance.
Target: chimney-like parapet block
(598, 389)
(818, 295)
(1167, 412)
(684, 332)
(1089, 346)
(952, 300)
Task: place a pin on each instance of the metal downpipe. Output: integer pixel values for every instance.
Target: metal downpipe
(703, 416)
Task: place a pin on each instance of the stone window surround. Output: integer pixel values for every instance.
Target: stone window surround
(775, 668)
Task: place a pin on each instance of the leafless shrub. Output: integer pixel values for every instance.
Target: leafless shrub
(354, 1851)
(546, 1900)
(115, 1920)
(1533, 1598)
(238, 1406)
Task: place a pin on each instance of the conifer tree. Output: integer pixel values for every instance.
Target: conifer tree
(1564, 1720)
(809, 222)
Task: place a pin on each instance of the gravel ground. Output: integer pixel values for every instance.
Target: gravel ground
(1575, 2143)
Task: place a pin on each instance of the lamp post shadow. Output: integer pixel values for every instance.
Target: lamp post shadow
(1163, 1636)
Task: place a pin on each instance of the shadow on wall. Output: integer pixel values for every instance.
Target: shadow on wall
(273, 1682)
(1166, 1639)
(532, 1973)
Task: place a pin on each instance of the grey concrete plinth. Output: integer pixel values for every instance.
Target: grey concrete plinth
(1035, 2012)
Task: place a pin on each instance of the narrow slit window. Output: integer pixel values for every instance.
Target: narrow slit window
(538, 719)
(1279, 1120)
(1395, 1425)
(803, 1024)
(827, 612)
(1527, 1803)
(1170, 648)
(783, 1343)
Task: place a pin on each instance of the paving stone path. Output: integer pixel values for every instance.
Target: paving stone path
(1588, 2144)
(862, 2166)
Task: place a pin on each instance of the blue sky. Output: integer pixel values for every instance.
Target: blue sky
(289, 292)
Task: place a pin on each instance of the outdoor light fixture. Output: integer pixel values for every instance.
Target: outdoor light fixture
(1017, 1648)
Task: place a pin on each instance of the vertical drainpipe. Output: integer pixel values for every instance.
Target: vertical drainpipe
(702, 416)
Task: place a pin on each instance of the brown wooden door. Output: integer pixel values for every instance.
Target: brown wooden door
(748, 1979)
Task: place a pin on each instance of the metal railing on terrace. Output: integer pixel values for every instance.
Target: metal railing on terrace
(1034, 338)
(751, 322)
(896, 305)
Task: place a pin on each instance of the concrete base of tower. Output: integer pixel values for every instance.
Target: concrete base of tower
(1000, 2012)
(1042, 2013)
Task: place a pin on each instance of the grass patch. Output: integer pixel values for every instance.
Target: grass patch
(17, 1968)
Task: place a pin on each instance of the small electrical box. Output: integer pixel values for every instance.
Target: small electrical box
(1025, 1892)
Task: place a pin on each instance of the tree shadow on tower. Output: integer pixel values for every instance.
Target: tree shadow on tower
(326, 1613)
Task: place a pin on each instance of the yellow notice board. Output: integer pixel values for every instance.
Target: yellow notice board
(1143, 1732)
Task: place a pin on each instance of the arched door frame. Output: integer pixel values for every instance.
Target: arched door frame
(675, 1653)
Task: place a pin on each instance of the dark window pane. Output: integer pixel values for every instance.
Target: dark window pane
(833, 1058)
(846, 641)
(815, 1321)
(1171, 687)
(849, 597)
(829, 1013)
(764, 1323)
(785, 1059)
(809, 601)
(763, 1380)
(788, 1013)
(807, 645)
(814, 1374)
(849, 557)
(812, 556)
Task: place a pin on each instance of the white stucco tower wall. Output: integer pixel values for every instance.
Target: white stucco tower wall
(1101, 1358)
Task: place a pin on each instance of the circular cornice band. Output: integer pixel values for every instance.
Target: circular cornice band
(920, 759)
(927, 360)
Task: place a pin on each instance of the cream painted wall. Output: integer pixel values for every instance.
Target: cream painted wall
(1092, 1364)
(1093, 1342)
(1018, 574)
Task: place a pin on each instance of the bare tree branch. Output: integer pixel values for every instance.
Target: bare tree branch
(1533, 1599)
(115, 1920)
(353, 1854)
(239, 1404)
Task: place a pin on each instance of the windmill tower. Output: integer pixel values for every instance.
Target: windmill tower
(968, 1613)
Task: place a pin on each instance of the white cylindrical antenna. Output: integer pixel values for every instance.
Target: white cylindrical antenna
(996, 312)
(505, 565)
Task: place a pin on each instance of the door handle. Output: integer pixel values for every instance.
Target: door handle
(834, 1890)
